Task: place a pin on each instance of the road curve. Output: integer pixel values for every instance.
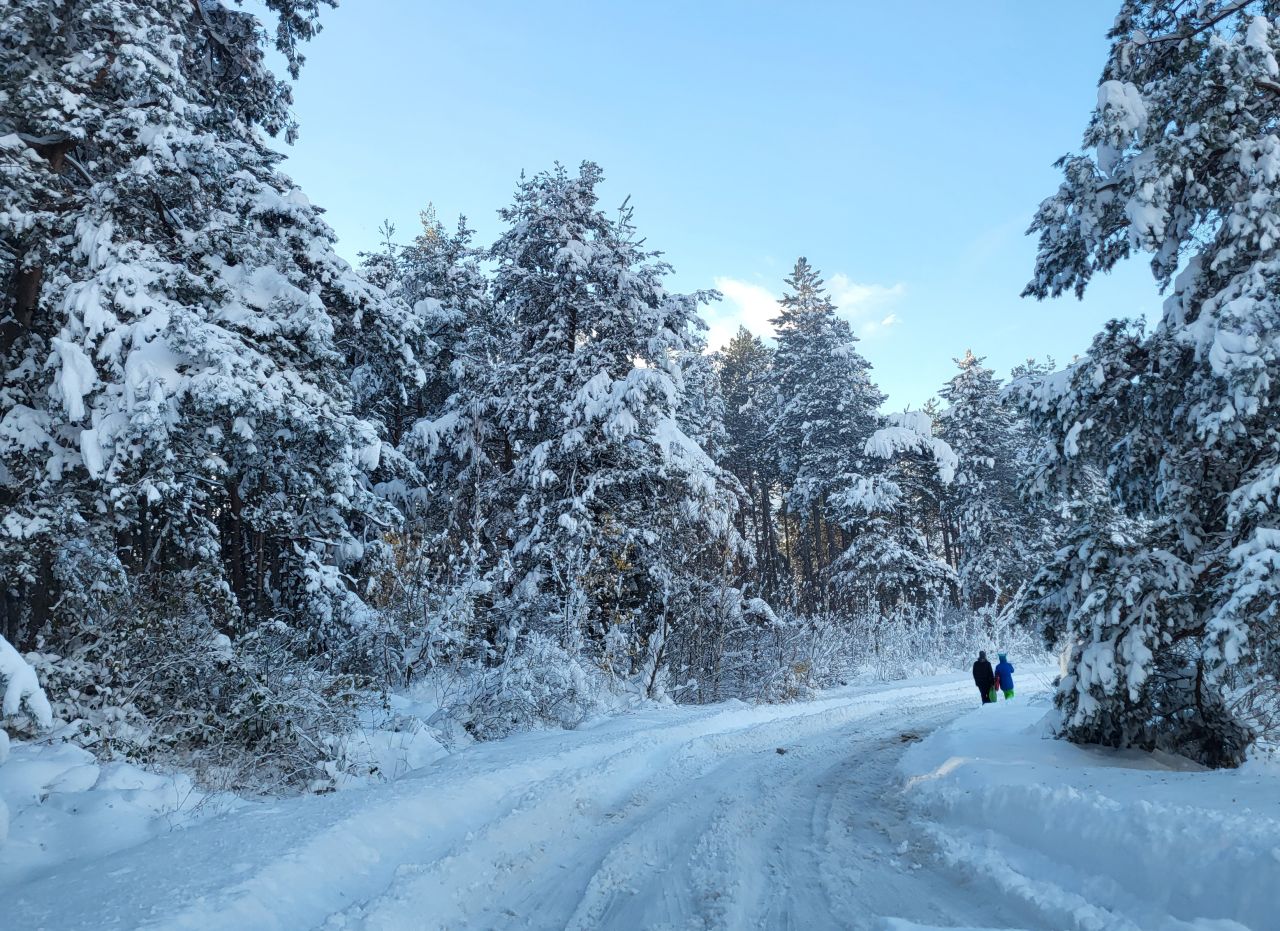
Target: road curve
(722, 817)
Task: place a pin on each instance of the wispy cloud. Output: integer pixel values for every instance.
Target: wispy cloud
(855, 298)
(753, 306)
(862, 304)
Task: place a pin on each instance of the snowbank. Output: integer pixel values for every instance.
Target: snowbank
(65, 805)
(389, 743)
(1096, 838)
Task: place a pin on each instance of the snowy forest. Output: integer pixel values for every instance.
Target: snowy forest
(248, 489)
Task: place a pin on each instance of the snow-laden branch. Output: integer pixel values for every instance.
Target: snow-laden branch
(22, 689)
(1192, 31)
(908, 432)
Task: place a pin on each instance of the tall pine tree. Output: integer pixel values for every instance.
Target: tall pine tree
(997, 535)
(746, 376)
(611, 503)
(1171, 601)
(827, 407)
(177, 335)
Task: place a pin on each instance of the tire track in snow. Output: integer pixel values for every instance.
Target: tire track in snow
(550, 825)
(740, 837)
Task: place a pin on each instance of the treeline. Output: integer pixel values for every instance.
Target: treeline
(848, 509)
(243, 486)
(590, 476)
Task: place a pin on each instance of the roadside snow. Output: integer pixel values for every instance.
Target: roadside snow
(831, 813)
(727, 816)
(59, 804)
(1096, 838)
(65, 806)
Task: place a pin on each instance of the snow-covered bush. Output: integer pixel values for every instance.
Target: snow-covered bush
(159, 675)
(539, 684)
(800, 655)
(20, 694)
(790, 656)
(940, 638)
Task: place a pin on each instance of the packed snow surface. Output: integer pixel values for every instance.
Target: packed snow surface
(727, 816)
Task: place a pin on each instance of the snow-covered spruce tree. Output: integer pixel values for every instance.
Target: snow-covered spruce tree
(889, 563)
(1171, 607)
(701, 406)
(827, 407)
(447, 429)
(438, 275)
(998, 535)
(177, 338)
(613, 503)
(745, 366)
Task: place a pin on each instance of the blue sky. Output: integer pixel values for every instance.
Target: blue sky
(901, 147)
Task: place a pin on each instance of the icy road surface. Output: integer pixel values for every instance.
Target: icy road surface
(675, 818)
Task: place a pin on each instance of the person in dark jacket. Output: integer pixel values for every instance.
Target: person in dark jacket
(984, 678)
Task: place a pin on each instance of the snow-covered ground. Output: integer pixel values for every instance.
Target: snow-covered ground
(729, 816)
(1095, 838)
(59, 804)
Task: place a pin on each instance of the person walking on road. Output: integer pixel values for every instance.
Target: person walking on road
(1004, 676)
(984, 678)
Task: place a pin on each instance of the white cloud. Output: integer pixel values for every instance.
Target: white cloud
(870, 328)
(856, 299)
(744, 304)
(753, 306)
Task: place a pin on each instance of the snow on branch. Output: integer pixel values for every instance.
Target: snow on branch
(912, 431)
(21, 687)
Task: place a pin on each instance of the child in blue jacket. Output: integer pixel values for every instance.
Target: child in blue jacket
(1004, 676)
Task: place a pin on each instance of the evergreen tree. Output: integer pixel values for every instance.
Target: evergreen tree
(826, 409)
(612, 502)
(996, 533)
(745, 367)
(439, 276)
(445, 443)
(178, 338)
(889, 562)
(1170, 602)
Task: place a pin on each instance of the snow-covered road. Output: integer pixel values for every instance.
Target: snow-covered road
(669, 818)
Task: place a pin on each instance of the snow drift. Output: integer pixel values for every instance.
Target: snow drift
(1097, 838)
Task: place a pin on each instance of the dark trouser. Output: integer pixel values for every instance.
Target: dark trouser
(986, 695)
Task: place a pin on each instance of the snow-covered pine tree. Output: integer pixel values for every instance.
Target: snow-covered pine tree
(1171, 606)
(441, 279)
(997, 533)
(827, 407)
(177, 334)
(448, 430)
(745, 366)
(890, 563)
(701, 407)
(613, 501)
(439, 276)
